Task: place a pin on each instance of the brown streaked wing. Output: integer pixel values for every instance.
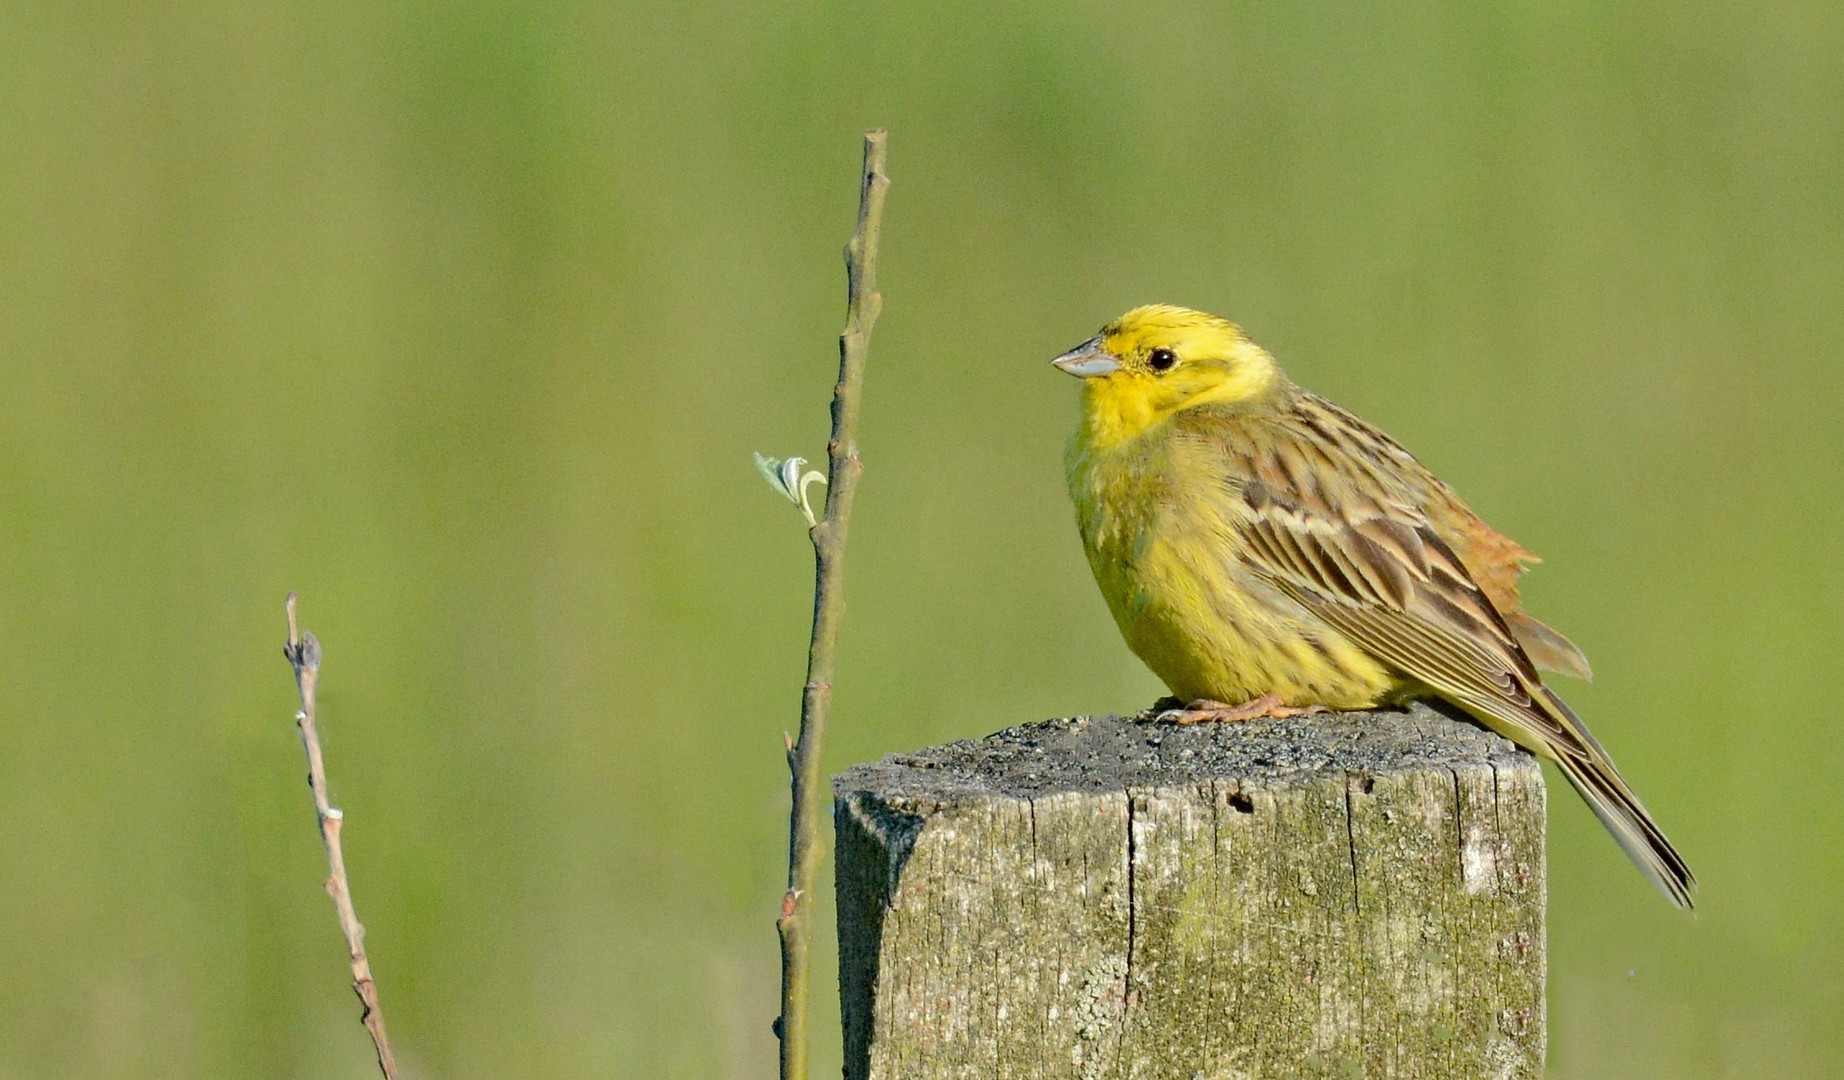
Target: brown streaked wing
(1383, 577)
(1493, 560)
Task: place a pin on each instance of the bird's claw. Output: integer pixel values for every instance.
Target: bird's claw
(1204, 710)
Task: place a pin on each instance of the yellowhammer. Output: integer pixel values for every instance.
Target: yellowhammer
(1267, 553)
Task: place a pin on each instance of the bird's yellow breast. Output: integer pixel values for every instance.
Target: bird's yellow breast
(1161, 524)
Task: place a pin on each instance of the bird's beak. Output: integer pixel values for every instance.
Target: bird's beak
(1088, 360)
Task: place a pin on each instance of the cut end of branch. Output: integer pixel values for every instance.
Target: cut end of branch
(874, 140)
(302, 650)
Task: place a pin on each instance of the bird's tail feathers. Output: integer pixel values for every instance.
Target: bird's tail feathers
(1593, 774)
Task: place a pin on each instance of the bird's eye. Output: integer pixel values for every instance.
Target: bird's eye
(1161, 359)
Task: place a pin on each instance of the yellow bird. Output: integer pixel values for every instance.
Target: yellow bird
(1267, 553)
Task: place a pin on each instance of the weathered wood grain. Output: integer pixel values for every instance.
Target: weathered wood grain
(1353, 895)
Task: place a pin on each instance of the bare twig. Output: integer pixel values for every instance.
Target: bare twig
(805, 851)
(303, 652)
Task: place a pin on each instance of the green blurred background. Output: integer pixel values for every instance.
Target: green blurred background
(464, 320)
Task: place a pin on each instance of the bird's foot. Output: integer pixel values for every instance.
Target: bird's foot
(1205, 711)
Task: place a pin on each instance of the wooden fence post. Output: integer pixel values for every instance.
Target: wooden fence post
(1349, 895)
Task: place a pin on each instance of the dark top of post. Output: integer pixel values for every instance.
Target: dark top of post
(1111, 753)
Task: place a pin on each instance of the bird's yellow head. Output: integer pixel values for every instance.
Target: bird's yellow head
(1155, 360)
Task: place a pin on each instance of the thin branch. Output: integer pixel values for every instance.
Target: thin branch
(805, 850)
(303, 652)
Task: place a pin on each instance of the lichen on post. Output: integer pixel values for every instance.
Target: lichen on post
(1344, 895)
